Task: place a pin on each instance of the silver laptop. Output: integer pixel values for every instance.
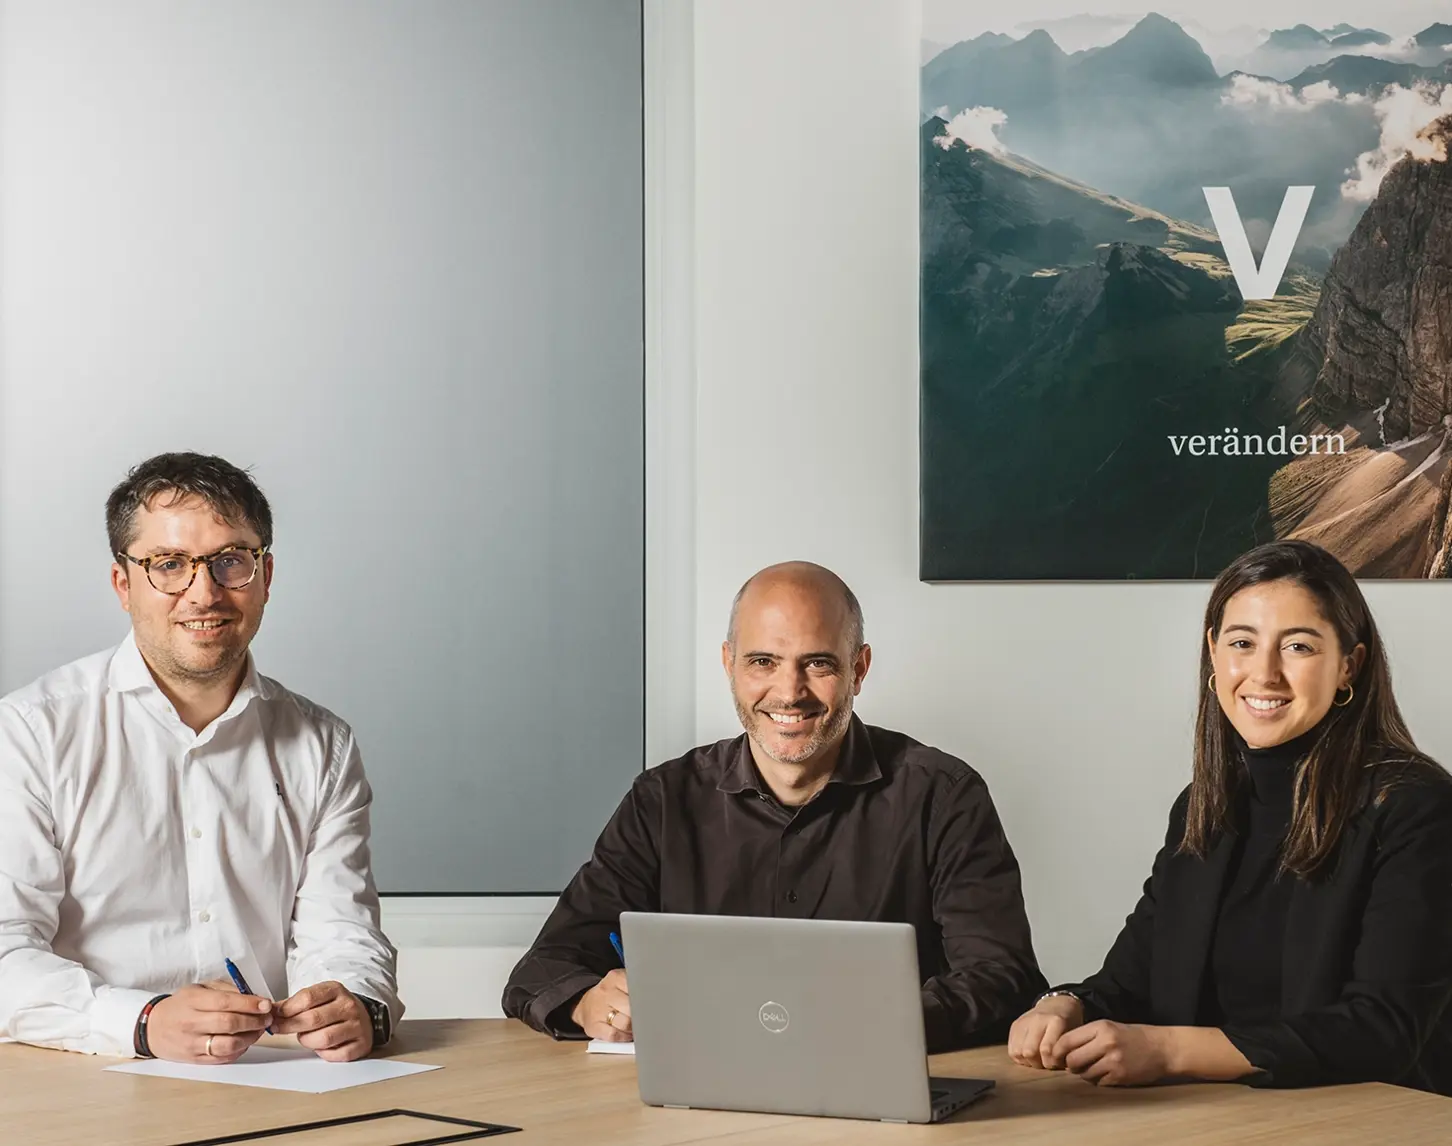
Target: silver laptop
(783, 1016)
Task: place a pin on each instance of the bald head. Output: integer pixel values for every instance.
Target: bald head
(795, 658)
(800, 577)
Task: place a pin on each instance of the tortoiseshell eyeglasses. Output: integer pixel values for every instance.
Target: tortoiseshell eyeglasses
(173, 573)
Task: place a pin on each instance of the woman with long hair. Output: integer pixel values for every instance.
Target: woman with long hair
(1296, 928)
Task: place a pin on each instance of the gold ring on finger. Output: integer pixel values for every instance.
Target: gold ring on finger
(610, 1017)
(209, 1045)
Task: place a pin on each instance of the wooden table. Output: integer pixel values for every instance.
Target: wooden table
(498, 1071)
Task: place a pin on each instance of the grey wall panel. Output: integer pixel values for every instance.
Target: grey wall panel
(388, 253)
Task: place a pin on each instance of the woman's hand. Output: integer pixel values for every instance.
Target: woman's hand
(1034, 1037)
(1116, 1054)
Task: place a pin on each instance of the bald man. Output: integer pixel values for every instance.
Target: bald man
(809, 814)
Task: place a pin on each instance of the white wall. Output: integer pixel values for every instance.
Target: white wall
(455, 952)
(670, 378)
(1074, 701)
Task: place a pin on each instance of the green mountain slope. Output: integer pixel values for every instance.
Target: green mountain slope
(1067, 335)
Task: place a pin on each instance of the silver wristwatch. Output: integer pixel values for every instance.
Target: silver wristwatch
(1055, 993)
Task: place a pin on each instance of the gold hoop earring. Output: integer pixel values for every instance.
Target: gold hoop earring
(1350, 692)
(1210, 684)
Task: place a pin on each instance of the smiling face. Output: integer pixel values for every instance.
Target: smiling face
(793, 667)
(1278, 662)
(200, 636)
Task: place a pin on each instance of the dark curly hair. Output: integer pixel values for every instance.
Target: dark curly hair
(230, 491)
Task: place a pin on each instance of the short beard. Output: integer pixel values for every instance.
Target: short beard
(829, 730)
(175, 669)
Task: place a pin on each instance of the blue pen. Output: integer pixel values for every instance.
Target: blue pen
(240, 983)
(619, 950)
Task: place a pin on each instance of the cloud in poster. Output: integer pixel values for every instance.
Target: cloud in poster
(975, 126)
(1255, 92)
(1403, 114)
(1404, 48)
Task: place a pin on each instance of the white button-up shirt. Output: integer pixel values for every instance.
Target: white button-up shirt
(136, 855)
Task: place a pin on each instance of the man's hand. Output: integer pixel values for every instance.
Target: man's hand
(1035, 1033)
(183, 1026)
(610, 994)
(1115, 1054)
(327, 1019)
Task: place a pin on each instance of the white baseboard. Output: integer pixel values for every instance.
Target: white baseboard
(455, 953)
(454, 982)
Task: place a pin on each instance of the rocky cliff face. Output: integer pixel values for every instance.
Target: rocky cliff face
(1381, 337)
(1377, 354)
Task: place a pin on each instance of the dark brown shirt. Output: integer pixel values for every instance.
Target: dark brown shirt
(901, 833)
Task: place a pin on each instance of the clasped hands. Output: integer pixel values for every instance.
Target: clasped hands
(213, 1023)
(1054, 1036)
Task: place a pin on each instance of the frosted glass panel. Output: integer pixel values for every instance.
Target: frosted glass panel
(388, 254)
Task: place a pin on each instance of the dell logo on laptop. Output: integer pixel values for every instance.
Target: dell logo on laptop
(774, 1017)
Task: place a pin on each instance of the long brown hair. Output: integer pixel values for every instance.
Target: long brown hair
(1367, 733)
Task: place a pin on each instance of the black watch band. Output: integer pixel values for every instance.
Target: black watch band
(378, 1016)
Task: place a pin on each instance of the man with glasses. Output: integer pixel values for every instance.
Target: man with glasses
(166, 809)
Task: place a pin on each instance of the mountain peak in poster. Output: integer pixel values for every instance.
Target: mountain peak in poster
(1099, 400)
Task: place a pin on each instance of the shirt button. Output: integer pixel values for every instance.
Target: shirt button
(791, 897)
(205, 917)
(196, 833)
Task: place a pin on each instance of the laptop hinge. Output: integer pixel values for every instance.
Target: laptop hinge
(672, 1106)
(898, 1121)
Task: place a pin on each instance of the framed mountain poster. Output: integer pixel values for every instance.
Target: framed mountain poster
(1186, 287)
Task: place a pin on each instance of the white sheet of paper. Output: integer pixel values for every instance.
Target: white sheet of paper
(280, 1068)
(599, 1047)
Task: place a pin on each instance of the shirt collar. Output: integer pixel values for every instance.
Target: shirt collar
(856, 765)
(253, 684)
(129, 673)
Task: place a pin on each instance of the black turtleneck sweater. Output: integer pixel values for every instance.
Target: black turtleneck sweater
(1244, 983)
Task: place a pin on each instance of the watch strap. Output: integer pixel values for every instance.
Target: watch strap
(379, 1018)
